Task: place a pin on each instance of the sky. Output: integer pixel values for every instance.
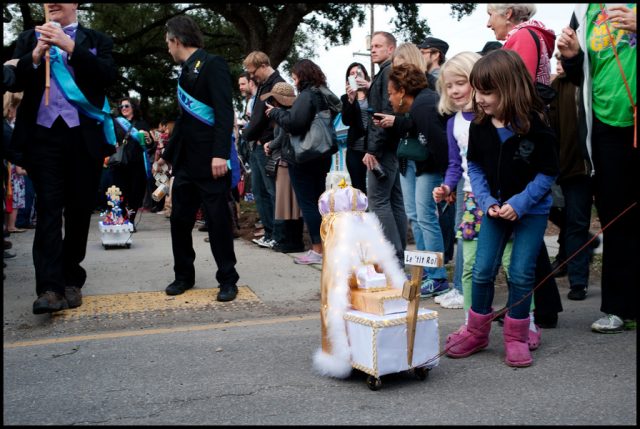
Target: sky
(468, 34)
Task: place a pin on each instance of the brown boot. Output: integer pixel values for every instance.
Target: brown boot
(49, 302)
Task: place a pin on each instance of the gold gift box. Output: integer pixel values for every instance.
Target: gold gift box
(388, 301)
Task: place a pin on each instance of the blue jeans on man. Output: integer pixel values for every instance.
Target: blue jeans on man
(263, 188)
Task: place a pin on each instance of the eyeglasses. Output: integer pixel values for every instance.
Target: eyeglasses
(122, 106)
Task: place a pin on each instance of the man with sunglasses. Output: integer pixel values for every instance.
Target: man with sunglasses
(62, 135)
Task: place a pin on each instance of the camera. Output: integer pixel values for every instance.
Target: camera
(379, 172)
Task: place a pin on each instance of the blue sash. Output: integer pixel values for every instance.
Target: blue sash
(196, 108)
(72, 93)
(130, 129)
(204, 114)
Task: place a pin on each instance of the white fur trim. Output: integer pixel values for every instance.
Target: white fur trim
(354, 236)
(330, 365)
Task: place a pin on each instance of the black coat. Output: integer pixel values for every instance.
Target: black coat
(379, 139)
(510, 166)
(193, 143)
(94, 73)
(352, 117)
(260, 127)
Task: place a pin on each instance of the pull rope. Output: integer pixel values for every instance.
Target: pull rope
(496, 314)
(624, 78)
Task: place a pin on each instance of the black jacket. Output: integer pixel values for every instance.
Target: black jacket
(426, 123)
(520, 158)
(94, 73)
(260, 127)
(380, 140)
(297, 119)
(352, 117)
(193, 143)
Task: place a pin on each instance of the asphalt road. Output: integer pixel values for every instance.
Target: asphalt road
(135, 357)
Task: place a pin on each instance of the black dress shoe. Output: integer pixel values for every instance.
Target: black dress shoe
(49, 302)
(73, 296)
(577, 293)
(178, 287)
(227, 293)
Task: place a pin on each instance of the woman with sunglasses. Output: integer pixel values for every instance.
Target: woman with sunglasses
(131, 177)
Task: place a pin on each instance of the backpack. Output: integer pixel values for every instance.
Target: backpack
(545, 92)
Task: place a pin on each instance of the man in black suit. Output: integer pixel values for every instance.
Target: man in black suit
(62, 144)
(199, 150)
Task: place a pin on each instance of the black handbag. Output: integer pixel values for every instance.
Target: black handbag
(271, 167)
(121, 157)
(413, 149)
(320, 141)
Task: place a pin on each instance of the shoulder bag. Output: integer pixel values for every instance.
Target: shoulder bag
(320, 141)
(121, 157)
(412, 148)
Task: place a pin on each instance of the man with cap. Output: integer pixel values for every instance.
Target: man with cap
(490, 46)
(433, 50)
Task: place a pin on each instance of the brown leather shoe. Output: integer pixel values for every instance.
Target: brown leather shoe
(73, 295)
(49, 302)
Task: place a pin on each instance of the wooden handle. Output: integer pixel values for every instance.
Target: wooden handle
(47, 62)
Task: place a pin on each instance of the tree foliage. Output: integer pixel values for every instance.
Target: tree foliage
(286, 32)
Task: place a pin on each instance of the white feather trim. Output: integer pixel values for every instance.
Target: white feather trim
(354, 236)
(331, 365)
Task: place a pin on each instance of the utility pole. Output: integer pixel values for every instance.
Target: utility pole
(370, 38)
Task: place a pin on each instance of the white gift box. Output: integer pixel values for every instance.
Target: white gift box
(379, 343)
(369, 278)
(116, 235)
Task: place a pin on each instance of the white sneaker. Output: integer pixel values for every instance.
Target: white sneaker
(455, 300)
(262, 241)
(609, 324)
(270, 243)
(438, 299)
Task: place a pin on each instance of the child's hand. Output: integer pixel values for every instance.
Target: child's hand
(507, 212)
(494, 211)
(440, 193)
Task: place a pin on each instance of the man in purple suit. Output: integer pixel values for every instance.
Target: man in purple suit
(62, 144)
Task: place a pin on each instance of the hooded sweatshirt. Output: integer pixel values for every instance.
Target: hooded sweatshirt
(521, 40)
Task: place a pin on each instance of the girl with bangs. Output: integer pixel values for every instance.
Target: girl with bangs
(512, 163)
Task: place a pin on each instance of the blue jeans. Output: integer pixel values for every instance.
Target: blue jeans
(264, 190)
(528, 233)
(385, 200)
(422, 211)
(459, 258)
(308, 182)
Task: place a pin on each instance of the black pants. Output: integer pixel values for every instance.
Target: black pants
(187, 195)
(617, 187)
(65, 178)
(132, 181)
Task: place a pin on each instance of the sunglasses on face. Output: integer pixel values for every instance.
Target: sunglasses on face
(122, 106)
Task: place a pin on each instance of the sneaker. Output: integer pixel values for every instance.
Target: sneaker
(609, 324)
(434, 287)
(438, 299)
(262, 241)
(455, 300)
(270, 243)
(309, 258)
(577, 294)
